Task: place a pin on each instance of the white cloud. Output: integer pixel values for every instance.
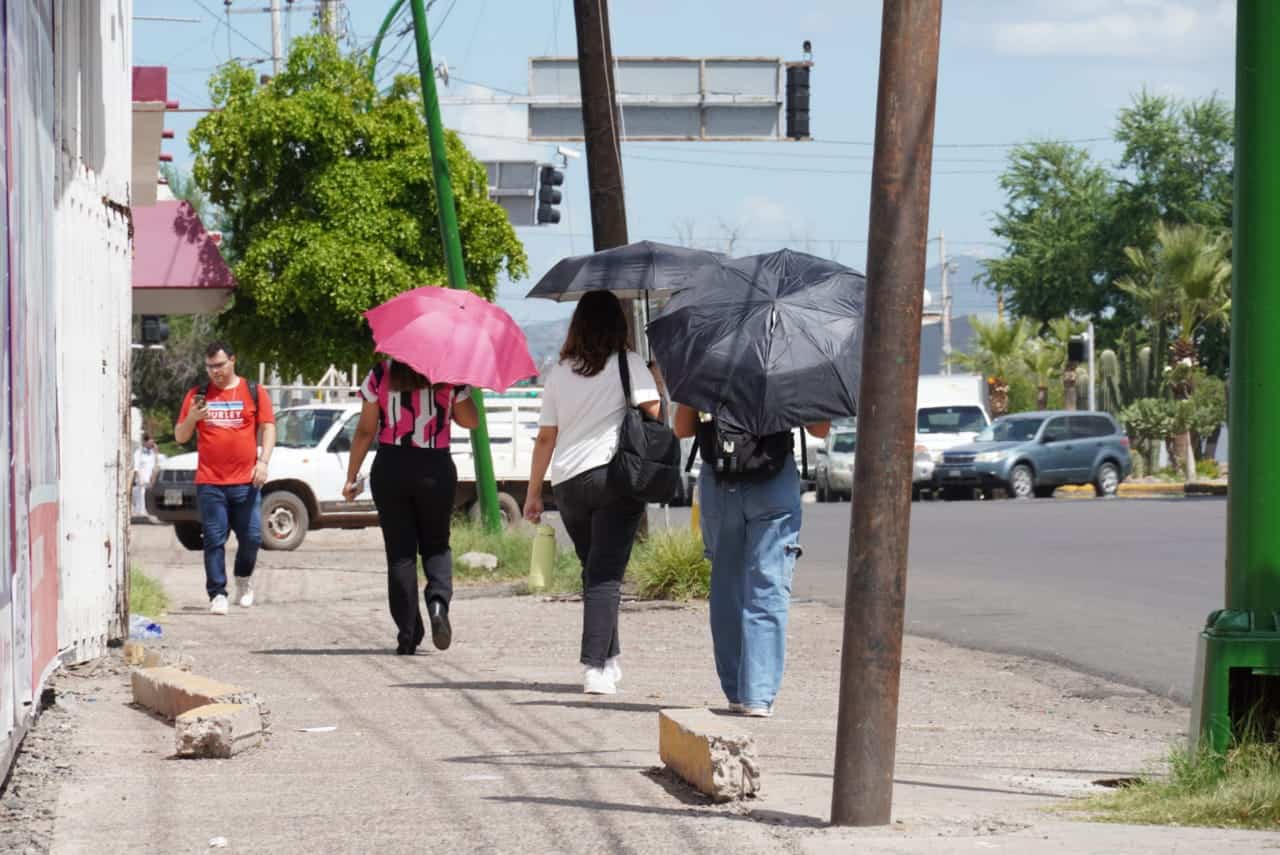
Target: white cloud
(1133, 29)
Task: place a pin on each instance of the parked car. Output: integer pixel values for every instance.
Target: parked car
(833, 473)
(309, 468)
(1031, 454)
(950, 411)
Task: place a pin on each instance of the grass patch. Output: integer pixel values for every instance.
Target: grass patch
(513, 549)
(146, 595)
(670, 565)
(1239, 789)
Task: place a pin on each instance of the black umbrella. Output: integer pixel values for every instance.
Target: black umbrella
(769, 341)
(633, 271)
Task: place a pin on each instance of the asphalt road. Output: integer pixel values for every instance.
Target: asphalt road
(1118, 588)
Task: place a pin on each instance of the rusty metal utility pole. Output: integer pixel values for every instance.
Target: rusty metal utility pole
(871, 663)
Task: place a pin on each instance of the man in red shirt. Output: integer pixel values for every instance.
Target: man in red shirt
(235, 436)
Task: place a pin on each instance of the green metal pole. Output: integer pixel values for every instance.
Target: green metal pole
(1239, 652)
(1253, 575)
(486, 487)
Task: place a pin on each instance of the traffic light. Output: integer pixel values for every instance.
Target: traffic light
(1075, 350)
(549, 178)
(155, 329)
(798, 100)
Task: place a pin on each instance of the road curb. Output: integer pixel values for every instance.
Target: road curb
(1140, 490)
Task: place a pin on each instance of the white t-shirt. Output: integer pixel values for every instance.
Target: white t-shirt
(588, 412)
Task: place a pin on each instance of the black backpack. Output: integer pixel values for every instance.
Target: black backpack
(647, 463)
(736, 455)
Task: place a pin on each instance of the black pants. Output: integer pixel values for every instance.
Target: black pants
(603, 527)
(413, 490)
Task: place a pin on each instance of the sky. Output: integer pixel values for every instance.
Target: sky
(1010, 71)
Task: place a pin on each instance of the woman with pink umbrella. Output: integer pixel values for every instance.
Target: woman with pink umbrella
(442, 344)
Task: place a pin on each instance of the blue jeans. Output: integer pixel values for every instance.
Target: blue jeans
(224, 509)
(751, 532)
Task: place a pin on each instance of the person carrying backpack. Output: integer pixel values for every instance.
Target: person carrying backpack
(749, 493)
(236, 433)
(584, 405)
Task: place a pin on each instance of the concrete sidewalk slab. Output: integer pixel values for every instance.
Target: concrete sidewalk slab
(492, 747)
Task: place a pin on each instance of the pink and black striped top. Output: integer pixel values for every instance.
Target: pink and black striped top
(413, 418)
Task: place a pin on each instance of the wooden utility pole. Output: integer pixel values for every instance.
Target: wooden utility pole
(875, 591)
(602, 133)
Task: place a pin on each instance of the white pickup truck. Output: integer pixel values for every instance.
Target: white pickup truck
(309, 467)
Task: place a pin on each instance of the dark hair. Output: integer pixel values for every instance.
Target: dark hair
(215, 346)
(404, 378)
(598, 330)
(146, 437)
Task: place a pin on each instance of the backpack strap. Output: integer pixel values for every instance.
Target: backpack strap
(693, 454)
(625, 371)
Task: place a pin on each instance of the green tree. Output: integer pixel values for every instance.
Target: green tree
(1055, 209)
(1185, 280)
(331, 205)
(1044, 360)
(997, 352)
(1177, 168)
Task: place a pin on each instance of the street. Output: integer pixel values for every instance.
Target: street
(1119, 588)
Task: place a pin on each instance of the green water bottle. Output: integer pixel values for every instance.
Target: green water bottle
(543, 557)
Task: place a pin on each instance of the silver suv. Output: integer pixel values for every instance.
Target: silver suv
(1031, 454)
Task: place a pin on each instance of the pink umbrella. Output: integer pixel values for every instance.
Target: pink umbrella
(452, 337)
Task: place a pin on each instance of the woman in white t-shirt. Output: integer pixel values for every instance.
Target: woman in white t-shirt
(582, 409)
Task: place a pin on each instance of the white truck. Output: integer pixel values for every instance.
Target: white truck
(951, 409)
(309, 467)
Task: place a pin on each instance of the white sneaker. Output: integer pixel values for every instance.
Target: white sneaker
(737, 708)
(596, 681)
(613, 669)
(218, 605)
(244, 591)
(758, 712)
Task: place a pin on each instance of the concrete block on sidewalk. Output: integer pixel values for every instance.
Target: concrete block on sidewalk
(711, 753)
(217, 730)
(478, 561)
(171, 691)
(135, 653)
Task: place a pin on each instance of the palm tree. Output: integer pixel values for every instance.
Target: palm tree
(1186, 282)
(1043, 359)
(997, 352)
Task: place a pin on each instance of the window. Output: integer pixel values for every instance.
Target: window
(950, 420)
(844, 443)
(1090, 427)
(1011, 430)
(1056, 431)
(342, 442)
(304, 428)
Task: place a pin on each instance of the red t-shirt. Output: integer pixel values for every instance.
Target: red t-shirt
(227, 439)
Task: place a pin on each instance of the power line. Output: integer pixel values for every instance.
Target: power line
(1078, 141)
(447, 12)
(227, 23)
(723, 165)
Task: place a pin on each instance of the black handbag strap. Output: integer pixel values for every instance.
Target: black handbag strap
(625, 370)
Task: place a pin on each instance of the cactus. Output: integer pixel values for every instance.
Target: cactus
(1126, 375)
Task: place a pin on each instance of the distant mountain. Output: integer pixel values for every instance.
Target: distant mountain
(545, 339)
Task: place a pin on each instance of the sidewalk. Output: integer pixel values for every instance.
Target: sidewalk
(491, 747)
